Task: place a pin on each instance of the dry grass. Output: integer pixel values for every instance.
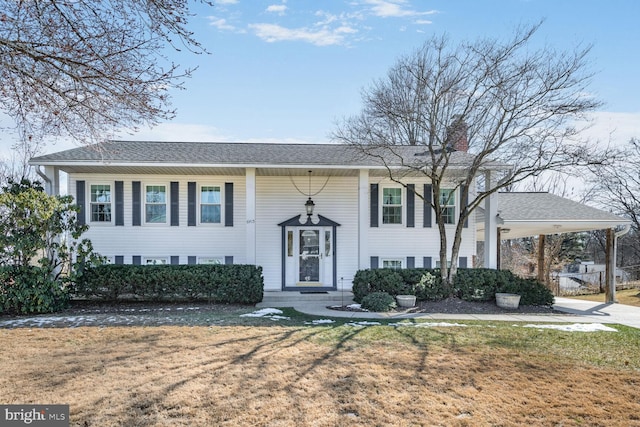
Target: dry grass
(626, 296)
(323, 376)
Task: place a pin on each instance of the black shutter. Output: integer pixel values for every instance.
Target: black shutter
(175, 259)
(119, 195)
(137, 260)
(191, 260)
(374, 205)
(464, 201)
(228, 204)
(428, 198)
(228, 260)
(374, 262)
(411, 205)
(426, 262)
(411, 262)
(175, 203)
(462, 262)
(136, 203)
(191, 204)
(81, 202)
(119, 260)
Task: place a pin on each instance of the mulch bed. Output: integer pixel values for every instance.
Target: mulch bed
(458, 306)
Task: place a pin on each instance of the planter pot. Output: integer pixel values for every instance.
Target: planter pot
(510, 301)
(406, 300)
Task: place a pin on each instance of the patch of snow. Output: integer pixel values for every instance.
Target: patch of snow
(319, 322)
(263, 312)
(356, 307)
(363, 323)
(276, 317)
(576, 327)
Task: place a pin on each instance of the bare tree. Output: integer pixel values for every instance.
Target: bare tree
(83, 68)
(617, 188)
(503, 102)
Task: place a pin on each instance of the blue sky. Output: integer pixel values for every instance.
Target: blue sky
(287, 70)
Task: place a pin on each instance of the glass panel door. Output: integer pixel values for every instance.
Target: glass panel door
(309, 255)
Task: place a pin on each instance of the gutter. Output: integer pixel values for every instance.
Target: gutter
(43, 176)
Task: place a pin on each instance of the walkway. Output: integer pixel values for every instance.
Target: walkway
(578, 311)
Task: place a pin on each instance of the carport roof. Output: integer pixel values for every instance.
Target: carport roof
(533, 213)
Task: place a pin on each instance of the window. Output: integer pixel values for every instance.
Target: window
(392, 205)
(439, 264)
(210, 203)
(155, 204)
(448, 205)
(210, 260)
(396, 264)
(155, 261)
(101, 203)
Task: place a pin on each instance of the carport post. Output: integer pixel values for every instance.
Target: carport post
(610, 267)
(541, 239)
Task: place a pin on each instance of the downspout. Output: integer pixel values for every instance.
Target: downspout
(42, 175)
(617, 234)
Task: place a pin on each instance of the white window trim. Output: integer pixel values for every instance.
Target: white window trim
(167, 203)
(400, 260)
(211, 260)
(145, 260)
(455, 206)
(402, 206)
(89, 203)
(199, 207)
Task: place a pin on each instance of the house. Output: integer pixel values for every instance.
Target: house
(310, 214)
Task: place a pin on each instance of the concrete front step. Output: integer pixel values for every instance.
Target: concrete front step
(287, 299)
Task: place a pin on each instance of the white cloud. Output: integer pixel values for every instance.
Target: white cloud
(423, 22)
(280, 9)
(220, 23)
(226, 1)
(320, 37)
(394, 9)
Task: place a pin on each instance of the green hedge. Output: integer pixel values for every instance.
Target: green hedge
(472, 284)
(481, 284)
(242, 284)
(31, 289)
(424, 283)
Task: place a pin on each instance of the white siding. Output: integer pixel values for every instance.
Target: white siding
(397, 241)
(164, 240)
(277, 200)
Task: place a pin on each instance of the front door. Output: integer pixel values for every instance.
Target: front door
(309, 256)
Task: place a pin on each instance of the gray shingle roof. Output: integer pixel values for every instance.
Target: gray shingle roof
(547, 207)
(228, 153)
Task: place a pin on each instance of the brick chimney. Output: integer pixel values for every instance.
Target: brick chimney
(457, 134)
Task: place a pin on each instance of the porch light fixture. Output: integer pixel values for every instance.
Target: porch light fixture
(309, 205)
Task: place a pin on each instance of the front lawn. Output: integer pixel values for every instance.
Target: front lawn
(293, 372)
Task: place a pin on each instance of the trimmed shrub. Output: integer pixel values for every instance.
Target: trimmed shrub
(31, 289)
(242, 284)
(531, 291)
(471, 284)
(481, 284)
(379, 301)
(425, 284)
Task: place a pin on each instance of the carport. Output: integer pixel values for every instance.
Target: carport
(530, 214)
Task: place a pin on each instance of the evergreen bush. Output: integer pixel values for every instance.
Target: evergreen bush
(379, 301)
(241, 284)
